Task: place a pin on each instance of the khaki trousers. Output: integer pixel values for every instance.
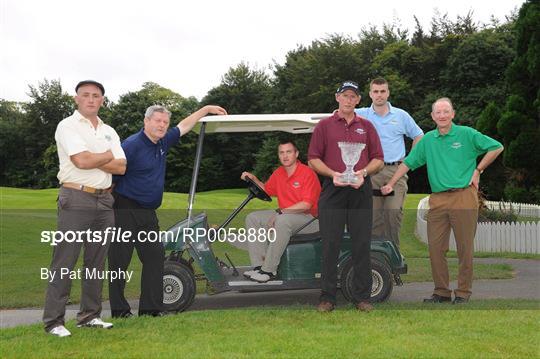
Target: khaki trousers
(388, 210)
(457, 211)
(268, 254)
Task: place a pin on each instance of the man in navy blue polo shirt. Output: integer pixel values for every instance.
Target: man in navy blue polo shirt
(138, 193)
(392, 124)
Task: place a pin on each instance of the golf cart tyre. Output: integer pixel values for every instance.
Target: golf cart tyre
(382, 281)
(178, 286)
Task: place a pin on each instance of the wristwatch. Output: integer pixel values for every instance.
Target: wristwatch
(364, 172)
(278, 211)
(479, 170)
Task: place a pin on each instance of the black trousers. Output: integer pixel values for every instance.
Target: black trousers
(340, 206)
(129, 216)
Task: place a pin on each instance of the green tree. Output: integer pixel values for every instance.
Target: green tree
(242, 91)
(12, 165)
(491, 184)
(474, 74)
(519, 124)
(306, 83)
(48, 106)
(127, 118)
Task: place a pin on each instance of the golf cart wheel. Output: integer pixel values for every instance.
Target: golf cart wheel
(382, 281)
(178, 286)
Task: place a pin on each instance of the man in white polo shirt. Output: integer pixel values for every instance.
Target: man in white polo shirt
(89, 152)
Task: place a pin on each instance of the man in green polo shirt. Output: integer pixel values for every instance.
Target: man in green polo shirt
(450, 153)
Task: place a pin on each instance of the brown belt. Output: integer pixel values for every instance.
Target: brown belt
(84, 188)
(450, 190)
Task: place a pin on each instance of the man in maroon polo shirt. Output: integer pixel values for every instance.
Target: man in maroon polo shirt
(341, 203)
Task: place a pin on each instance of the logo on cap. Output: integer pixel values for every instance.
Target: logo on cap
(348, 85)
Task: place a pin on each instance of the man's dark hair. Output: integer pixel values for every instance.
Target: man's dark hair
(285, 141)
(378, 81)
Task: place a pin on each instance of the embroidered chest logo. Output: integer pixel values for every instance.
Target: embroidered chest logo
(108, 138)
(456, 145)
(360, 131)
(393, 122)
(296, 184)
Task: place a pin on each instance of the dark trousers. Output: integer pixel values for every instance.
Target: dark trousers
(340, 206)
(139, 221)
(78, 211)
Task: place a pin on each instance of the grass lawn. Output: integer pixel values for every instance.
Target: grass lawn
(25, 213)
(493, 329)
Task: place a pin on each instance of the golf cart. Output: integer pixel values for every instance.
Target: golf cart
(300, 264)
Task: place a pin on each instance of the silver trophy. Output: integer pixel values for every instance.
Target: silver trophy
(350, 154)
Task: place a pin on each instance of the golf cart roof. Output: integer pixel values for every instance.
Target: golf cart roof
(292, 123)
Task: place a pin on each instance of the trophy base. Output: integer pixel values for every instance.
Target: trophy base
(348, 179)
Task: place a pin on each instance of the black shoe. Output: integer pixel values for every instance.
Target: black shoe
(161, 314)
(435, 298)
(153, 313)
(121, 313)
(460, 300)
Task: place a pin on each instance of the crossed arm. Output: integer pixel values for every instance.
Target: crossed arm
(105, 161)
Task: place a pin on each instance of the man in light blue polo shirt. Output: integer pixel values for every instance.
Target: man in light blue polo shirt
(392, 124)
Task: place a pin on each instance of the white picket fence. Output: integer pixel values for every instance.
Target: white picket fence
(495, 237)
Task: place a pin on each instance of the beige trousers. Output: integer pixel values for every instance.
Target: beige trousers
(267, 254)
(457, 211)
(388, 210)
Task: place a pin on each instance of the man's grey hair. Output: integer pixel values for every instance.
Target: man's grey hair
(156, 108)
(442, 99)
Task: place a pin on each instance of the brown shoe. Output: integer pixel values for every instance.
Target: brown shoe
(364, 307)
(324, 307)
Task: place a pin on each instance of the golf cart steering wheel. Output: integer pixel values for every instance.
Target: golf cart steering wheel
(257, 191)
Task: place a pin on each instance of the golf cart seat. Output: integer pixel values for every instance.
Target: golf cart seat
(305, 238)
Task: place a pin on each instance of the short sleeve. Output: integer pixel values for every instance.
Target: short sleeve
(172, 137)
(70, 140)
(417, 156)
(270, 186)
(312, 189)
(317, 144)
(483, 143)
(116, 147)
(412, 130)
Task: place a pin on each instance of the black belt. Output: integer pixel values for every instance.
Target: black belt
(392, 163)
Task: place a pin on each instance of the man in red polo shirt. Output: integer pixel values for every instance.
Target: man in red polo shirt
(297, 189)
(343, 203)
